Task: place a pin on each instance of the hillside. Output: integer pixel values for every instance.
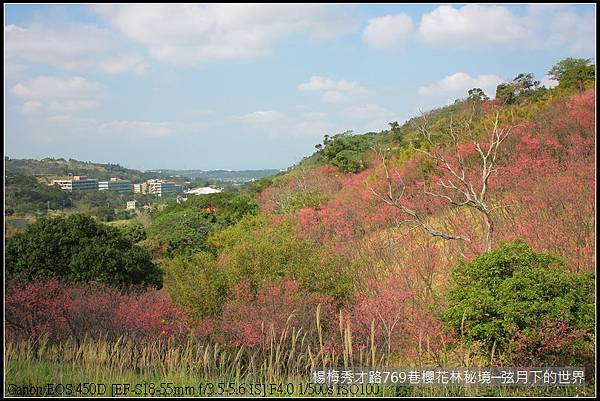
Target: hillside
(239, 176)
(463, 237)
(49, 167)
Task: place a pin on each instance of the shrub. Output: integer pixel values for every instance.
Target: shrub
(60, 311)
(197, 283)
(152, 314)
(134, 232)
(77, 248)
(258, 252)
(510, 290)
(36, 309)
(385, 309)
(250, 317)
(552, 344)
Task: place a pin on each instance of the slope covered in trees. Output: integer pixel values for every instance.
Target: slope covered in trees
(62, 167)
(464, 237)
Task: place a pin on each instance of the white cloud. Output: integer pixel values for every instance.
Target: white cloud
(188, 35)
(279, 126)
(77, 127)
(469, 25)
(541, 26)
(59, 94)
(71, 105)
(70, 46)
(123, 63)
(388, 31)
(333, 91)
(368, 111)
(261, 117)
(139, 129)
(548, 82)
(577, 33)
(31, 106)
(309, 129)
(46, 87)
(314, 115)
(460, 83)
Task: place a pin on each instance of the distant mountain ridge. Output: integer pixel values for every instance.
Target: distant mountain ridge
(102, 171)
(220, 174)
(63, 167)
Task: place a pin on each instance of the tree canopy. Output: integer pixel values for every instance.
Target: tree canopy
(573, 73)
(514, 289)
(78, 249)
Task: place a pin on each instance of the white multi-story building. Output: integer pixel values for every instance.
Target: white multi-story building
(161, 188)
(123, 186)
(140, 188)
(132, 204)
(78, 183)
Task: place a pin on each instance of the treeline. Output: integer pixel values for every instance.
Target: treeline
(348, 151)
(62, 167)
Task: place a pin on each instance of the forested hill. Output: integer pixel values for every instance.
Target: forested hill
(60, 167)
(221, 175)
(464, 237)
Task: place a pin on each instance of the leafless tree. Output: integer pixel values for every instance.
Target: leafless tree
(460, 189)
(393, 197)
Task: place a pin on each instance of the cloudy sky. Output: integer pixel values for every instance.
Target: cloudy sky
(255, 86)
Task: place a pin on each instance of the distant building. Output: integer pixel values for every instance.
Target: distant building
(114, 184)
(132, 204)
(140, 188)
(77, 183)
(162, 188)
(203, 191)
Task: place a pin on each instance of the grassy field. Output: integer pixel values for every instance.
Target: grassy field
(126, 368)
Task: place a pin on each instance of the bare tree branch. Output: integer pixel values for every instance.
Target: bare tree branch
(394, 200)
(464, 186)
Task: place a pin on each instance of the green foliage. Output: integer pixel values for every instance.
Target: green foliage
(196, 282)
(236, 208)
(180, 231)
(346, 151)
(573, 73)
(259, 251)
(134, 232)
(105, 213)
(305, 199)
(77, 248)
(518, 90)
(477, 94)
(62, 167)
(514, 289)
(23, 194)
(184, 227)
(349, 161)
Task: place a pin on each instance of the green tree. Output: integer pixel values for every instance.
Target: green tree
(236, 208)
(573, 73)
(77, 248)
(180, 231)
(196, 282)
(520, 88)
(513, 289)
(257, 251)
(524, 82)
(506, 93)
(346, 151)
(477, 94)
(134, 232)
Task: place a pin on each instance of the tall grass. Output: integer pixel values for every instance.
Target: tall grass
(288, 357)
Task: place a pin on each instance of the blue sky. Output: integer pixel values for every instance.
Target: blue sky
(244, 87)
